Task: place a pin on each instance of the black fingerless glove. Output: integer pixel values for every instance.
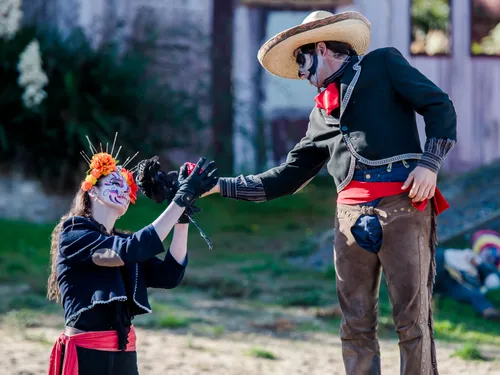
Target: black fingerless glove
(192, 186)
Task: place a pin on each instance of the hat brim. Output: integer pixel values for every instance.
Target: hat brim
(276, 55)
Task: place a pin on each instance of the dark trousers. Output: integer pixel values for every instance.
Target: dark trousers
(98, 362)
(406, 257)
(449, 287)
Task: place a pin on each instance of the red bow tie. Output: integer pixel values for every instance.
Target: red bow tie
(328, 99)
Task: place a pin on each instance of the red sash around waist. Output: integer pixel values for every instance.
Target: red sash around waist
(97, 340)
(358, 192)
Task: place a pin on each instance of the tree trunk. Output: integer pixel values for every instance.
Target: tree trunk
(222, 93)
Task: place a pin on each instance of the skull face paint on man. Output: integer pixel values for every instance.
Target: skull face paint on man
(316, 63)
(308, 62)
(113, 191)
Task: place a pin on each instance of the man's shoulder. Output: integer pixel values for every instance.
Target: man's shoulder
(382, 53)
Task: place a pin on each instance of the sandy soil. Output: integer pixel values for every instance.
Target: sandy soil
(166, 352)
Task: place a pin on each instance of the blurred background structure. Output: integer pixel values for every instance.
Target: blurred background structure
(181, 79)
(189, 82)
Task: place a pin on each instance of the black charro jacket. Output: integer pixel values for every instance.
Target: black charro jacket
(380, 94)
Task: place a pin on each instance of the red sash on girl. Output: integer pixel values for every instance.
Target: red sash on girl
(96, 340)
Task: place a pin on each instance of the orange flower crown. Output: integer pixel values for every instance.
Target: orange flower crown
(103, 163)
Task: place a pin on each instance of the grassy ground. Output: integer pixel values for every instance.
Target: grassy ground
(252, 242)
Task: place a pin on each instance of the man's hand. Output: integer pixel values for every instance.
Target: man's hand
(423, 184)
(214, 190)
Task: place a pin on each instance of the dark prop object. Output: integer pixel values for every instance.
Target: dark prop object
(160, 186)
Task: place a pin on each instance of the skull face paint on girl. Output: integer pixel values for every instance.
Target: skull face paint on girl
(114, 191)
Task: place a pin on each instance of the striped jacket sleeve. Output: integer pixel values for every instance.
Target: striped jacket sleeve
(247, 188)
(435, 152)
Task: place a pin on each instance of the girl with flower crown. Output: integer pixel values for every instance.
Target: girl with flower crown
(101, 275)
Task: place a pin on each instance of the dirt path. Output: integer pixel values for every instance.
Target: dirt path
(164, 352)
(215, 336)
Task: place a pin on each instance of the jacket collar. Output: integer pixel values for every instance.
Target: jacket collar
(348, 81)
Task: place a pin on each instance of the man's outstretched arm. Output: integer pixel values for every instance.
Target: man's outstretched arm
(302, 164)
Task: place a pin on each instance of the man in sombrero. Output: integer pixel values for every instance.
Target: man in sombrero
(363, 127)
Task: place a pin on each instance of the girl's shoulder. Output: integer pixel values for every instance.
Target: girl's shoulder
(78, 222)
(75, 232)
(82, 223)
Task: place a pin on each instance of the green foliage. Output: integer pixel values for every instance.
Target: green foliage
(24, 254)
(24, 318)
(455, 321)
(218, 330)
(274, 267)
(257, 352)
(28, 301)
(431, 14)
(40, 338)
(330, 273)
(90, 91)
(256, 268)
(469, 352)
(222, 286)
(489, 45)
(215, 331)
(494, 296)
(305, 247)
(170, 320)
(308, 297)
(164, 316)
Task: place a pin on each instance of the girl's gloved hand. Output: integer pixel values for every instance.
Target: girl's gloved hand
(193, 185)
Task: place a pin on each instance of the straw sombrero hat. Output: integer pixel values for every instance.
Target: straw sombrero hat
(276, 55)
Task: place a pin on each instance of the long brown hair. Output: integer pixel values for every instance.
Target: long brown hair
(81, 206)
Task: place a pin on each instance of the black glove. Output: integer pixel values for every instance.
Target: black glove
(190, 210)
(192, 186)
(154, 183)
